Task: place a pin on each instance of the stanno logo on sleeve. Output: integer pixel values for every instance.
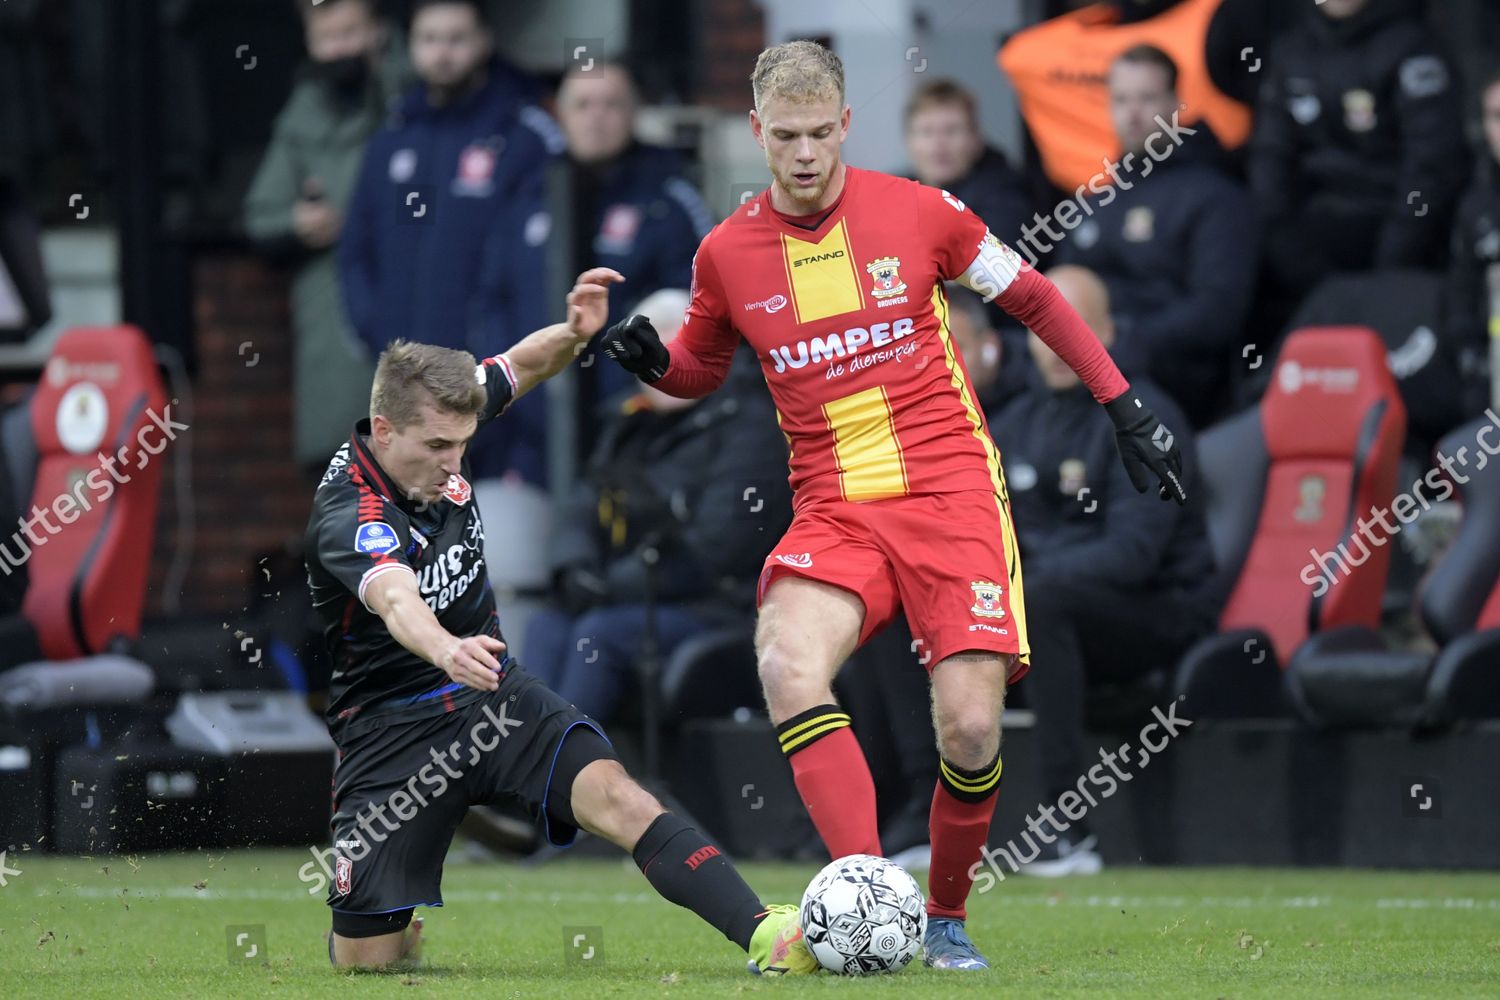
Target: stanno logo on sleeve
(375, 538)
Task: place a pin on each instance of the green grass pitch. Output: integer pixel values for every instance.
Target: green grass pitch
(160, 926)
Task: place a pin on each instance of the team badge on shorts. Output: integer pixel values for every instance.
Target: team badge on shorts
(343, 875)
(986, 599)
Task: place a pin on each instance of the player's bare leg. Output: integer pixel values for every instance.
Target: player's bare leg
(968, 693)
(399, 950)
(610, 804)
(686, 869)
(805, 633)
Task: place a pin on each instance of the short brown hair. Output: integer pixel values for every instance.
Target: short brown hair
(409, 375)
(798, 71)
(1150, 55)
(310, 7)
(943, 93)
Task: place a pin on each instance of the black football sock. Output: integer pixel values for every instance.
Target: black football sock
(686, 869)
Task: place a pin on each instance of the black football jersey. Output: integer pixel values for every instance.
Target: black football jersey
(362, 526)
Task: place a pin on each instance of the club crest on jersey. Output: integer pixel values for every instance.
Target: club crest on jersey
(375, 538)
(887, 274)
(343, 875)
(986, 599)
(458, 489)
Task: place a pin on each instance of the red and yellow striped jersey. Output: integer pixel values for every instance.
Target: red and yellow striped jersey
(850, 323)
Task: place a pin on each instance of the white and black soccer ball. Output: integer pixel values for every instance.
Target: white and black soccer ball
(863, 914)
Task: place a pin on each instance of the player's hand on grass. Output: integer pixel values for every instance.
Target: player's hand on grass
(634, 343)
(472, 662)
(588, 302)
(1147, 447)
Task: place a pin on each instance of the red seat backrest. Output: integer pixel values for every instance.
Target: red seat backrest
(1334, 426)
(97, 483)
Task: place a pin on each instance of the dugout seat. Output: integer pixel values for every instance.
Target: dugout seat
(1287, 478)
(1348, 678)
(87, 582)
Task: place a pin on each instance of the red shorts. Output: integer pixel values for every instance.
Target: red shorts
(948, 559)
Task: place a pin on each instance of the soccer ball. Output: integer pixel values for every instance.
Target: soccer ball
(863, 914)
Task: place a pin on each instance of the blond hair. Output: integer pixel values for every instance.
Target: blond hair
(799, 71)
(409, 375)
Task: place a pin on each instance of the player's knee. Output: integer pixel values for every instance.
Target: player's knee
(969, 736)
(370, 954)
(618, 802)
(792, 683)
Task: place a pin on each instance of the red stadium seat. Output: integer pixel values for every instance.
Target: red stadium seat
(97, 397)
(1348, 677)
(1321, 449)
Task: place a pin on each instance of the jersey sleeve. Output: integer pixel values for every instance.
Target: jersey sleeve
(361, 536)
(704, 348)
(952, 230)
(499, 381)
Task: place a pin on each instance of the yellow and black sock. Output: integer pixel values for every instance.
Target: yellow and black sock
(833, 779)
(963, 803)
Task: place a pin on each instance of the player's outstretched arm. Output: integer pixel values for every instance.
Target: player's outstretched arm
(470, 661)
(1147, 446)
(548, 351)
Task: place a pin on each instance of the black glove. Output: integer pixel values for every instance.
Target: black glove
(1147, 447)
(634, 344)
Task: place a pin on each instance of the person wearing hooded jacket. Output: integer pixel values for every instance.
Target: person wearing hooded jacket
(1174, 241)
(1358, 152)
(703, 482)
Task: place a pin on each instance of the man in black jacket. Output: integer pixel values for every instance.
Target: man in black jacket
(703, 482)
(1358, 153)
(1174, 242)
(1476, 256)
(948, 151)
(1116, 586)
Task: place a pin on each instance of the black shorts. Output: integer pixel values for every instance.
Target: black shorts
(402, 787)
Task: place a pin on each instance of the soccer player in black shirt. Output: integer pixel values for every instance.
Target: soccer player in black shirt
(429, 712)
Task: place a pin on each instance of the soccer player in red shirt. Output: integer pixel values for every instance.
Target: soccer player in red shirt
(834, 275)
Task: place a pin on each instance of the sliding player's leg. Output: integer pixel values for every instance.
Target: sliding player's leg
(383, 948)
(394, 818)
(579, 783)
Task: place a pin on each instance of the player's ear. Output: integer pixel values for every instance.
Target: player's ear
(756, 129)
(844, 123)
